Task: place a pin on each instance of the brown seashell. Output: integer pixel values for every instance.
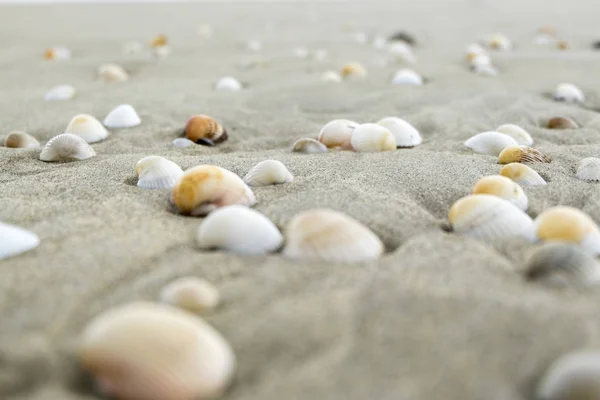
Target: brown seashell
(522, 154)
(562, 123)
(205, 130)
(159, 41)
(21, 140)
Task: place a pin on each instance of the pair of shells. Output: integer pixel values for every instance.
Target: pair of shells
(568, 93)
(309, 146)
(205, 130)
(156, 172)
(569, 225)
(505, 188)
(493, 142)
(57, 54)
(574, 376)
(122, 116)
(15, 240)
(522, 174)
(21, 140)
(66, 147)
(87, 127)
(268, 172)
(190, 293)
(407, 77)
(60, 93)
(155, 352)
(353, 70)
(228, 84)
(112, 73)
(589, 169)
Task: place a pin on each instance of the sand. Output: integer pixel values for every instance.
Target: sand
(438, 317)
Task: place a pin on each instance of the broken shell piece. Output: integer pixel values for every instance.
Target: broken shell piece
(404, 133)
(372, 137)
(504, 188)
(568, 93)
(574, 376)
(567, 224)
(21, 140)
(337, 134)
(156, 172)
(240, 230)
(87, 127)
(309, 146)
(562, 123)
(182, 143)
(498, 41)
(59, 93)
(57, 54)
(190, 293)
(205, 130)
(268, 172)
(66, 147)
(407, 77)
(353, 70)
(516, 132)
(228, 84)
(491, 143)
(15, 240)
(331, 76)
(112, 73)
(522, 154)
(522, 174)
(122, 116)
(589, 169)
(327, 235)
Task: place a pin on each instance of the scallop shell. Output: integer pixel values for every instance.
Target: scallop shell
(498, 41)
(569, 93)
(561, 123)
(574, 376)
(353, 70)
(182, 143)
(338, 133)
(205, 188)
(159, 41)
(66, 147)
(190, 293)
(205, 130)
(404, 133)
(228, 84)
(156, 172)
(60, 93)
(522, 154)
(327, 235)
(21, 140)
(589, 169)
(488, 218)
(402, 51)
(567, 224)
(240, 230)
(407, 77)
(122, 116)
(57, 54)
(268, 172)
(112, 73)
(520, 135)
(309, 146)
(15, 240)
(372, 137)
(522, 174)
(504, 188)
(156, 352)
(491, 143)
(87, 127)
(331, 76)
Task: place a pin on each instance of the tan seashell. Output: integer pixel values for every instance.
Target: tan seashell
(338, 134)
(190, 293)
(87, 127)
(504, 188)
(491, 143)
(522, 154)
(353, 70)
(574, 376)
(474, 51)
(521, 136)
(522, 174)
(66, 147)
(21, 140)
(112, 73)
(15, 240)
(309, 146)
(57, 54)
(156, 172)
(404, 133)
(562, 123)
(589, 169)
(569, 93)
(205, 130)
(205, 188)
(268, 172)
(156, 352)
(567, 224)
(159, 40)
(372, 137)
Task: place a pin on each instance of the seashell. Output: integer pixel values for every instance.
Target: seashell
(87, 127)
(254, 45)
(112, 73)
(205, 130)
(309, 146)
(156, 172)
(562, 265)
(190, 293)
(57, 54)
(404, 133)
(240, 230)
(182, 143)
(228, 84)
(502, 187)
(588, 169)
(372, 137)
(567, 224)
(475, 50)
(574, 376)
(155, 352)
(522, 154)
(21, 140)
(66, 147)
(205, 188)
(404, 37)
(407, 77)
(562, 123)
(204, 30)
(331, 76)
(132, 47)
(403, 52)
(563, 45)
(480, 61)
(522, 174)
(491, 143)
(59, 93)
(122, 116)
(488, 218)
(498, 41)
(568, 93)
(484, 70)
(337, 133)
(268, 172)
(320, 54)
(159, 41)
(353, 70)
(15, 240)
(520, 135)
(327, 235)
(301, 52)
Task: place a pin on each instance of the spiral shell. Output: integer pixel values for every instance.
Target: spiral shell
(338, 134)
(521, 136)
(21, 140)
(309, 146)
(404, 133)
(491, 143)
(66, 147)
(522, 174)
(205, 130)
(156, 172)
(371, 138)
(87, 127)
(268, 172)
(190, 293)
(504, 188)
(522, 154)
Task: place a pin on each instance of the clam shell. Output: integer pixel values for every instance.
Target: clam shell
(522, 174)
(15, 240)
(407, 77)
(190, 293)
(205, 130)
(491, 143)
(570, 225)
(182, 143)
(205, 188)
(57, 54)
(21, 140)
(404, 133)
(112, 73)
(589, 169)
(522, 154)
(87, 127)
(372, 137)
(66, 147)
(502, 187)
(338, 133)
(327, 235)
(309, 146)
(156, 172)
(60, 93)
(353, 70)
(574, 376)
(268, 172)
(240, 230)
(331, 76)
(520, 135)
(122, 116)
(155, 352)
(228, 84)
(498, 41)
(561, 123)
(569, 93)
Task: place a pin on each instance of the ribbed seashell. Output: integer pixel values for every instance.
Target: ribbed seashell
(353, 70)
(491, 143)
(15, 240)
(372, 137)
(331, 76)
(57, 54)
(190, 293)
(502, 187)
(152, 351)
(87, 127)
(407, 77)
(240, 230)
(330, 236)
(21, 140)
(488, 218)
(66, 147)
(562, 123)
(574, 376)
(183, 143)
(402, 51)
(156, 172)
(484, 70)
(338, 134)
(522, 174)
(498, 41)
(122, 116)
(159, 40)
(589, 169)
(112, 73)
(228, 84)
(268, 172)
(567, 224)
(205, 130)
(205, 188)
(404, 133)
(569, 93)
(516, 132)
(309, 146)
(562, 265)
(522, 154)
(60, 93)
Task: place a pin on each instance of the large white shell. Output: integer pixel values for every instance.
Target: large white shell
(228, 84)
(15, 240)
(268, 172)
(66, 147)
(522, 174)
(372, 137)
(491, 143)
(309, 146)
(569, 93)
(405, 134)
(407, 77)
(87, 127)
(112, 73)
(60, 93)
(589, 169)
(574, 376)
(520, 135)
(338, 133)
(190, 293)
(156, 172)
(503, 187)
(570, 225)
(122, 116)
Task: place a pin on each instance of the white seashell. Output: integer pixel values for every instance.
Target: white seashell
(569, 93)
(570, 225)
(404, 133)
(522, 154)
(402, 51)
(156, 172)
(240, 230)
(301, 52)
(488, 218)
(484, 70)
(502, 187)
(15, 240)
(589, 169)
(491, 143)
(522, 174)
(57, 54)
(353, 70)
(379, 42)
(498, 41)
(112, 73)
(320, 54)
(331, 76)
(66, 147)
(480, 61)
(190, 293)
(309, 146)
(87, 127)
(327, 235)
(475, 50)
(182, 143)
(372, 137)
(132, 47)
(122, 116)
(520, 135)
(21, 140)
(407, 77)
(268, 172)
(254, 45)
(228, 84)
(59, 93)
(574, 376)
(337, 133)
(161, 51)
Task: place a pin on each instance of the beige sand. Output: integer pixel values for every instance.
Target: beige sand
(439, 317)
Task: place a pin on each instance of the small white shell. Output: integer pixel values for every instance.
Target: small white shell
(240, 230)
(574, 376)
(66, 147)
(503, 187)
(498, 41)
(589, 169)
(182, 143)
(404, 133)
(87, 127)
(372, 137)
(520, 135)
(112, 73)
(228, 84)
(407, 77)
(402, 51)
(309, 146)
(122, 116)
(190, 293)
(569, 93)
(15, 240)
(57, 54)
(337, 134)
(522, 174)
(156, 172)
(60, 93)
(491, 143)
(21, 140)
(570, 225)
(331, 76)
(268, 172)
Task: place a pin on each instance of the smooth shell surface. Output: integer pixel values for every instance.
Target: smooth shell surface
(309, 146)
(372, 138)
(338, 134)
(569, 93)
(15, 240)
(268, 172)
(404, 133)
(60, 93)
(570, 225)
(122, 116)
(522, 174)
(228, 84)
(66, 147)
(21, 140)
(504, 188)
(521, 154)
(520, 135)
(112, 73)
(205, 130)
(491, 143)
(190, 293)
(574, 376)
(87, 127)
(589, 169)
(407, 77)
(353, 70)
(156, 172)
(561, 123)
(183, 143)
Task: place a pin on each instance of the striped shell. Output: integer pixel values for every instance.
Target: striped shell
(521, 154)
(268, 172)
(589, 169)
(66, 147)
(205, 130)
(156, 172)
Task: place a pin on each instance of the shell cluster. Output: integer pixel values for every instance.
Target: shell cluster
(66, 147)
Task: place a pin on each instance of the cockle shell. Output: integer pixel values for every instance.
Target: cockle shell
(372, 137)
(498, 41)
(60, 93)
(331, 76)
(122, 116)
(15, 240)
(66, 147)
(330, 236)
(21, 140)
(520, 135)
(338, 134)
(159, 40)
(156, 172)
(309, 146)
(488, 218)
(522, 174)
(57, 54)
(404, 133)
(190, 293)
(504, 188)
(561, 123)
(268, 172)
(567, 224)
(522, 154)
(152, 351)
(182, 143)
(228, 84)
(205, 188)
(353, 70)
(589, 169)
(87, 127)
(112, 73)
(240, 230)
(491, 143)
(569, 93)
(205, 130)
(574, 376)
(407, 77)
